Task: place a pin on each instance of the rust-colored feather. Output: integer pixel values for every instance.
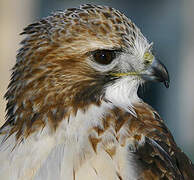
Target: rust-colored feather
(57, 97)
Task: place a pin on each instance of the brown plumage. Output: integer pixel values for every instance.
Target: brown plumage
(73, 110)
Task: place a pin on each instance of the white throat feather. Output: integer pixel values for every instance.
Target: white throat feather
(123, 93)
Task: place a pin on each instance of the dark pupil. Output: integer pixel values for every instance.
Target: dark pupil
(104, 56)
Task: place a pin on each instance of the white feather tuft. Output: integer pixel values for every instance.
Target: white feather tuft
(123, 93)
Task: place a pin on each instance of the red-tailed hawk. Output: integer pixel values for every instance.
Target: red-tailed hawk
(73, 112)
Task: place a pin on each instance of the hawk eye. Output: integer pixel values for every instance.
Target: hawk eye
(104, 57)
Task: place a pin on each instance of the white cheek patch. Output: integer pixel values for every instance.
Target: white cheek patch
(123, 93)
(127, 63)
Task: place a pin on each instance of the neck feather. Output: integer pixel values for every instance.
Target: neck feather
(123, 94)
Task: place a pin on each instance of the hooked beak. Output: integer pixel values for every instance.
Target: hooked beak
(157, 72)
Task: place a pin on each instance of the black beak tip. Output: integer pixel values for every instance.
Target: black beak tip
(166, 83)
(162, 73)
(166, 78)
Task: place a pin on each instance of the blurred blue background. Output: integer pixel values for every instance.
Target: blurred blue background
(167, 23)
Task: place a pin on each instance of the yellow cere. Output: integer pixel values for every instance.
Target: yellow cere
(148, 57)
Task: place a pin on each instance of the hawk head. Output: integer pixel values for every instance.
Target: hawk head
(75, 58)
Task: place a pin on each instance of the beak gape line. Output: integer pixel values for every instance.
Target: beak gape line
(155, 72)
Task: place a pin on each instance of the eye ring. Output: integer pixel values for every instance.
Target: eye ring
(104, 57)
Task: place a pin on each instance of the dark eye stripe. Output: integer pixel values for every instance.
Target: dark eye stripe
(104, 57)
